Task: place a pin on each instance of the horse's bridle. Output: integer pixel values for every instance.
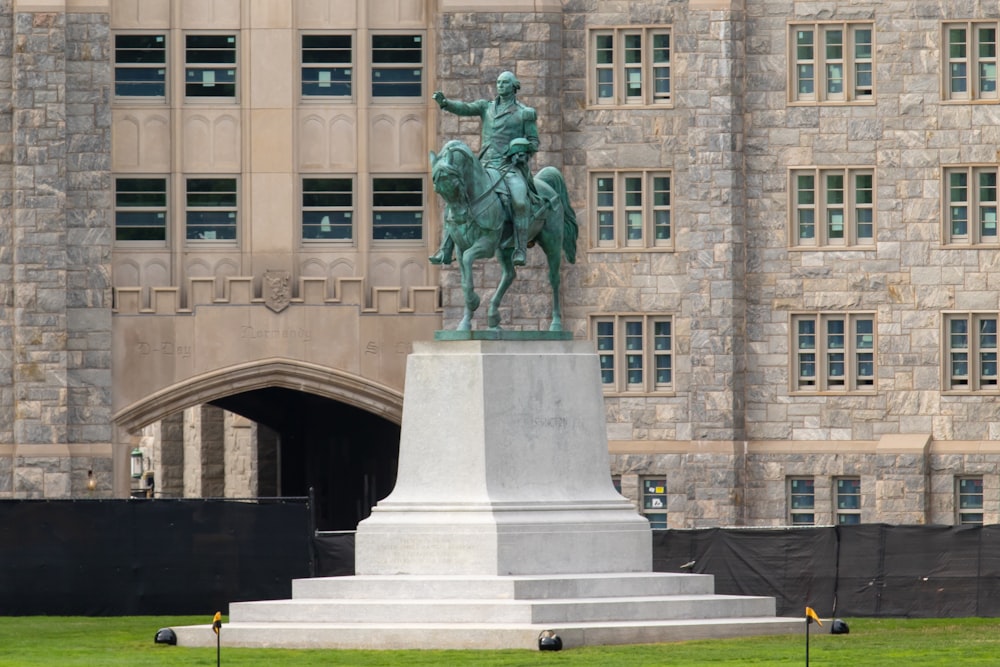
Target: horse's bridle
(471, 205)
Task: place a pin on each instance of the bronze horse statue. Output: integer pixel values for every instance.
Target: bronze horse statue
(477, 221)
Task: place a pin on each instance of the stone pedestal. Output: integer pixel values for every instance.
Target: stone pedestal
(503, 468)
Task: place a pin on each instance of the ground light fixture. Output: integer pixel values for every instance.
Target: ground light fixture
(549, 641)
(165, 636)
(838, 627)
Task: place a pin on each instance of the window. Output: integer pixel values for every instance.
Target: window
(969, 500)
(832, 207)
(801, 501)
(326, 65)
(834, 352)
(211, 209)
(848, 501)
(140, 66)
(635, 353)
(970, 61)
(140, 209)
(327, 209)
(397, 65)
(832, 62)
(397, 209)
(211, 66)
(971, 206)
(972, 352)
(654, 501)
(631, 66)
(632, 209)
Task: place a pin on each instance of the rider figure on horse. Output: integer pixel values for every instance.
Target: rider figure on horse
(509, 139)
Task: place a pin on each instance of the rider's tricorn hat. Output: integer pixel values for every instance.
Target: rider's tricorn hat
(519, 145)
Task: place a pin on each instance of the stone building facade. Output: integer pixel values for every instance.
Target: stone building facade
(788, 232)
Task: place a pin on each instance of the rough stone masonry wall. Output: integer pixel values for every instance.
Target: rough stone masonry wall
(55, 184)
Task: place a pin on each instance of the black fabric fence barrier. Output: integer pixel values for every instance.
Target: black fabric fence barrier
(135, 557)
(866, 570)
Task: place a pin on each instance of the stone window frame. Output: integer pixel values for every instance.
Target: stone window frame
(194, 66)
(315, 206)
(232, 210)
(613, 333)
(386, 206)
(653, 500)
(305, 64)
(818, 205)
(801, 502)
(971, 515)
(124, 208)
(971, 60)
(617, 208)
(969, 216)
(120, 66)
(821, 60)
(825, 360)
(970, 348)
(373, 66)
(845, 513)
(648, 68)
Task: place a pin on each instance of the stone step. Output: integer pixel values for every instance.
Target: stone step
(531, 587)
(478, 635)
(581, 610)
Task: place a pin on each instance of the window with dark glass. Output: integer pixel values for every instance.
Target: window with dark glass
(833, 208)
(635, 352)
(140, 209)
(834, 352)
(140, 65)
(211, 209)
(654, 501)
(971, 206)
(969, 497)
(832, 62)
(210, 66)
(632, 210)
(970, 61)
(631, 66)
(972, 351)
(397, 65)
(397, 209)
(327, 69)
(802, 501)
(848, 501)
(327, 209)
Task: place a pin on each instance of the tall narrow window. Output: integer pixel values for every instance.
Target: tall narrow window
(801, 501)
(641, 346)
(210, 69)
(972, 352)
(327, 209)
(970, 61)
(140, 65)
(832, 208)
(397, 65)
(833, 62)
(632, 210)
(631, 66)
(834, 352)
(397, 209)
(970, 215)
(848, 501)
(654, 501)
(327, 69)
(211, 209)
(140, 209)
(969, 500)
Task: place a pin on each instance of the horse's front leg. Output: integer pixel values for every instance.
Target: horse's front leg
(507, 277)
(477, 250)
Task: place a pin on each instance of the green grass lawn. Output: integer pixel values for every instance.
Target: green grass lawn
(108, 642)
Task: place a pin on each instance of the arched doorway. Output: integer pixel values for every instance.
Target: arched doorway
(346, 455)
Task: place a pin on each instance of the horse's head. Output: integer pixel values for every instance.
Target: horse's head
(450, 169)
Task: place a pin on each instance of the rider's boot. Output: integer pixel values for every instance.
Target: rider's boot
(520, 256)
(444, 255)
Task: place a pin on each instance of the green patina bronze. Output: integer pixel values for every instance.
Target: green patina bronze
(493, 204)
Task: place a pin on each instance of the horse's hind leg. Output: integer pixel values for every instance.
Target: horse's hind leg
(504, 256)
(552, 245)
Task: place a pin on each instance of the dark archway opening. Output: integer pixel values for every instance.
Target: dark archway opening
(346, 455)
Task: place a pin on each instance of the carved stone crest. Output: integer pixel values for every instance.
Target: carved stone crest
(277, 294)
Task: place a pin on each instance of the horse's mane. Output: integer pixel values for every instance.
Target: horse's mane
(456, 145)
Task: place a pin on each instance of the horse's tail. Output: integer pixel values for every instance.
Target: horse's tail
(553, 178)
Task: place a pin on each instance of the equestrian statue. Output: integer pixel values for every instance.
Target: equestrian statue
(493, 204)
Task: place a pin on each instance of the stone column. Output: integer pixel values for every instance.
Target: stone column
(6, 248)
(240, 457)
(170, 472)
(204, 452)
(715, 241)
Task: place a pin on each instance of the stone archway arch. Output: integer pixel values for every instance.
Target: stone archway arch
(275, 372)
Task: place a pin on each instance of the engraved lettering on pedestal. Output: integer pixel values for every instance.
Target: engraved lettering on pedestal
(277, 296)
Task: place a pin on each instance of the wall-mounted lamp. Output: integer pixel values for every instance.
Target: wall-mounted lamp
(136, 463)
(91, 481)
